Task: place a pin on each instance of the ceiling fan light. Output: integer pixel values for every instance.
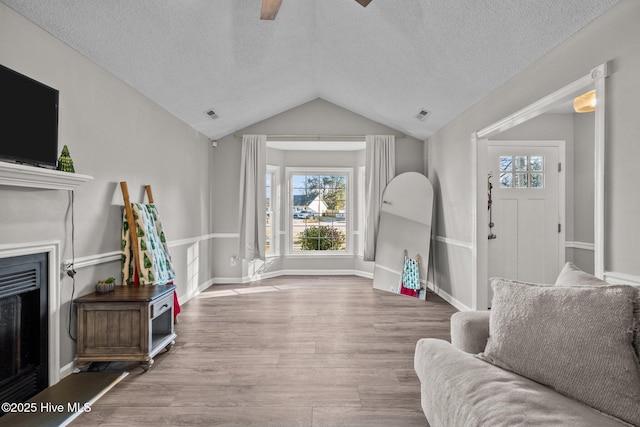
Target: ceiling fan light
(585, 103)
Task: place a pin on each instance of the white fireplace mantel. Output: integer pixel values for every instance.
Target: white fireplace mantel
(34, 177)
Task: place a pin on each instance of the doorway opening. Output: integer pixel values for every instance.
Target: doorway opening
(526, 202)
(479, 216)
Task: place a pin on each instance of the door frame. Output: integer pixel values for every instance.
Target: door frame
(562, 198)
(479, 247)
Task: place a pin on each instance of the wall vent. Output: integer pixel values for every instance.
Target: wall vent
(212, 114)
(422, 114)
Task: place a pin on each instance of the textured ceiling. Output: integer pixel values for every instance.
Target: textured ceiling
(385, 62)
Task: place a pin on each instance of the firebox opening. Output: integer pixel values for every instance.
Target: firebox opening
(23, 327)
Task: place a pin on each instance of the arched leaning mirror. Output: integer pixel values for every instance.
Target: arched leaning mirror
(518, 155)
(404, 235)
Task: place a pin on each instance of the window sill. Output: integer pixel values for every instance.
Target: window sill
(319, 254)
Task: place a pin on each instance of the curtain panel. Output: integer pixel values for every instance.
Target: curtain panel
(380, 168)
(253, 201)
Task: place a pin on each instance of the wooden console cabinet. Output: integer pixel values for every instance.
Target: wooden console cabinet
(131, 323)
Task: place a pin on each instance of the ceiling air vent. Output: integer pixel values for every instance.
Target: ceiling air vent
(422, 114)
(212, 114)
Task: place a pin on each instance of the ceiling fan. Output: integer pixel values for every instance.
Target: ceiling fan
(270, 8)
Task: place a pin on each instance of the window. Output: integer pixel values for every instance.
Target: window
(271, 210)
(521, 172)
(319, 210)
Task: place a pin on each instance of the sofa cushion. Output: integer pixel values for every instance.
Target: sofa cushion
(572, 275)
(577, 340)
(459, 390)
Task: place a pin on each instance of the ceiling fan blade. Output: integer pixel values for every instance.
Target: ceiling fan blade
(269, 9)
(364, 3)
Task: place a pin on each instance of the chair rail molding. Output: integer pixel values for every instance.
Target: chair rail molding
(453, 242)
(105, 257)
(621, 278)
(580, 245)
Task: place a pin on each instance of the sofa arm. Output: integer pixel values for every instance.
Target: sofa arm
(470, 331)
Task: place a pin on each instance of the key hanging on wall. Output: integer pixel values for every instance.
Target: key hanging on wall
(490, 208)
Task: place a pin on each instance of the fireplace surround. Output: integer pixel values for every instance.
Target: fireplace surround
(47, 306)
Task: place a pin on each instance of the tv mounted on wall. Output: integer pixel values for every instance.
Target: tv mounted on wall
(28, 120)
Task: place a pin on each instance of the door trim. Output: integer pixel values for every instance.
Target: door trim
(562, 196)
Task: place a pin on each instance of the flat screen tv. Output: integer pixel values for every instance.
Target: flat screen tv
(28, 120)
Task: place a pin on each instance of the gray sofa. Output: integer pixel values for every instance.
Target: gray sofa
(469, 383)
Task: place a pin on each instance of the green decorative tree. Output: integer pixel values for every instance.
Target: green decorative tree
(65, 163)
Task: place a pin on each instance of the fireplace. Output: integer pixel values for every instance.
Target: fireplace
(23, 326)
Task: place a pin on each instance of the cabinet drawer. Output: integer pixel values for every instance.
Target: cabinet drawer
(163, 304)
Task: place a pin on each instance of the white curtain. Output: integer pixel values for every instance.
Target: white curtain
(380, 168)
(253, 197)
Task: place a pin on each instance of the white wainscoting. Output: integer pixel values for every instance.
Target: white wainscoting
(437, 289)
(103, 258)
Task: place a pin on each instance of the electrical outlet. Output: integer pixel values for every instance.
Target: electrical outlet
(234, 260)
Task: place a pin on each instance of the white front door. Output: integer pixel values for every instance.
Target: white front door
(526, 242)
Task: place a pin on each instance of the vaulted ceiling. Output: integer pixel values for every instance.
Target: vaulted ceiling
(386, 62)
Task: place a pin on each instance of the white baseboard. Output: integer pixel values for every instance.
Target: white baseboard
(448, 298)
(279, 273)
(184, 298)
(364, 274)
(67, 369)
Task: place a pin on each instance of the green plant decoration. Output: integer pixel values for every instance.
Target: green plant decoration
(65, 163)
(106, 285)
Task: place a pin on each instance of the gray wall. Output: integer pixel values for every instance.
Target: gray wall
(113, 134)
(315, 117)
(615, 37)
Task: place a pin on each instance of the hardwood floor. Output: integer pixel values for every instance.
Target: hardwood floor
(291, 351)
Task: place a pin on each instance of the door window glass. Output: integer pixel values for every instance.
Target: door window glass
(522, 171)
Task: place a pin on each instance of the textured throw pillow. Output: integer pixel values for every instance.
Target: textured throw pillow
(571, 275)
(576, 340)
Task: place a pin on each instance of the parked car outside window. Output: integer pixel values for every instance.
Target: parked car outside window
(304, 214)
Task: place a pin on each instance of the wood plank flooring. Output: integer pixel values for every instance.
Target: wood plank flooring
(290, 351)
